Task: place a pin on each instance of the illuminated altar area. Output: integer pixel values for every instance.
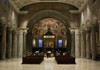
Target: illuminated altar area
(50, 28)
(49, 39)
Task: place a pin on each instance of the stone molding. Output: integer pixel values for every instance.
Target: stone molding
(18, 4)
(21, 30)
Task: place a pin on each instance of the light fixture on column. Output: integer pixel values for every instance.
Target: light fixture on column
(34, 42)
(66, 42)
(13, 15)
(82, 18)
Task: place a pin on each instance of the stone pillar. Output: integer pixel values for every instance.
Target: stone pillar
(99, 31)
(83, 44)
(24, 42)
(15, 44)
(98, 48)
(88, 44)
(20, 43)
(9, 52)
(3, 49)
(73, 44)
(93, 44)
(79, 44)
(77, 47)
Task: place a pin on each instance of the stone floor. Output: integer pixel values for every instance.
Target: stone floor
(50, 64)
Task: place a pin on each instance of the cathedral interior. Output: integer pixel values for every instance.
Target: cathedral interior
(49, 33)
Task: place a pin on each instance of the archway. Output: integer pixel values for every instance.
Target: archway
(35, 23)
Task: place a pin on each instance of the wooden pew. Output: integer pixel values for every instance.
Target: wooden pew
(65, 59)
(32, 59)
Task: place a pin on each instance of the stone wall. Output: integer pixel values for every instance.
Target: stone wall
(61, 8)
(91, 13)
(8, 27)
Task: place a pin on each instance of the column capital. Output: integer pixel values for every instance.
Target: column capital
(5, 26)
(10, 29)
(3, 20)
(98, 21)
(22, 29)
(72, 30)
(88, 30)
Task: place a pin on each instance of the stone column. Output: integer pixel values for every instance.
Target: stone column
(98, 48)
(93, 44)
(79, 44)
(15, 44)
(20, 43)
(73, 44)
(83, 44)
(24, 42)
(77, 47)
(3, 49)
(10, 44)
(88, 44)
(99, 32)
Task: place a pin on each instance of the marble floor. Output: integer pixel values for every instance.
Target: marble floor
(49, 64)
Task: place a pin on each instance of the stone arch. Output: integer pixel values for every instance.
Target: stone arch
(48, 14)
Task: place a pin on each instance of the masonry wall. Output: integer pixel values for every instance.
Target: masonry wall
(91, 13)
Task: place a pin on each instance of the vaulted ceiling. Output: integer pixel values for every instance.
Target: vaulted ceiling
(21, 3)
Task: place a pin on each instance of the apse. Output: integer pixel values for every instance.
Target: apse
(56, 26)
(49, 28)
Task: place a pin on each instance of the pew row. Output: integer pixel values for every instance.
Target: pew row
(65, 59)
(32, 59)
